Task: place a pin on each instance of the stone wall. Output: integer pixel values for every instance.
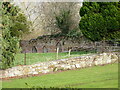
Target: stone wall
(63, 64)
(44, 44)
(50, 44)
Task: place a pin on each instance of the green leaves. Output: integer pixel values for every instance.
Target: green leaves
(100, 20)
(63, 21)
(92, 25)
(20, 25)
(14, 25)
(9, 43)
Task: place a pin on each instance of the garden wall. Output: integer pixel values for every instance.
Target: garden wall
(46, 44)
(62, 64)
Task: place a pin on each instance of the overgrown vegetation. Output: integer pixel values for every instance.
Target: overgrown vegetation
(64, 23)
(100, 20)
(14, 24)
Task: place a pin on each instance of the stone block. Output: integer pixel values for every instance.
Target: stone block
(77, 65)
(45, 71)
(114, 57)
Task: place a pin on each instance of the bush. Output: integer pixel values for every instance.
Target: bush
(13, 23)
(63, 21)
(100, 20)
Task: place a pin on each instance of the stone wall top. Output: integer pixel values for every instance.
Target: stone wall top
(61, 65)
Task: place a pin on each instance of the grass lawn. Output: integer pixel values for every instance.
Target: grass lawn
(93, 77)
(0, 84)
(32, 58)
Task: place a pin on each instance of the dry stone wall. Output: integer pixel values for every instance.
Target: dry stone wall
(62, 64)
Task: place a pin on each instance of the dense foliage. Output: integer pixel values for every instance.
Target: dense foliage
(63, 21)
(100, 20)
(20, 24)
(13, 25)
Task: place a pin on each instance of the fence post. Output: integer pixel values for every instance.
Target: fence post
(69, 52)
(25, 58)
(104, 50)
(57, 52)
(95, 47)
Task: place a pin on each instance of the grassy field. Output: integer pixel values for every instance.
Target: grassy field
(32, 58)
(93, 77)
(0, 84)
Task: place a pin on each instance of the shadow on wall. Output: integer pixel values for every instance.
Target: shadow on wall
(58, 45)
(45, 50)
(34, 49)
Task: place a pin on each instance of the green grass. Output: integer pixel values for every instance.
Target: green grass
(93, 77)
(32, 58)
(0, 84)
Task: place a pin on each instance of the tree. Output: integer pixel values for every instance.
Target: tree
(100, 20)
(10, 33)
(63, 21)
(20, 24)
(43, 16)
